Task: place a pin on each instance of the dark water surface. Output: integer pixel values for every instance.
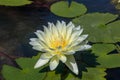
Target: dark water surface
(17, 25)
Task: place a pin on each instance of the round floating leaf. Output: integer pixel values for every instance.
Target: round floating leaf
(62, 9)
(14, 2)
(94, 24)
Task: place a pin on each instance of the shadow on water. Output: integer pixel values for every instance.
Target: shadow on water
(18, 24)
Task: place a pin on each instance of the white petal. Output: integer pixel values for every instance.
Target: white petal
(54, 31)
(59, 26)
(37, 43)
(63, 58)
(64, 29)
(82, 38)
(70, 52)
(82, 47)
(46, 56)
(69, 32)
(37, 48)
(80, 32)
(71, 64)
(41, 62)
(40, 34)
(63, 23)
(87, 46)
(33, 39)
(54, 63)
(74, 36)
(70, 24)
(34, 43)
(50, 29)
(77, 28)
(46, 29)
(79, 40)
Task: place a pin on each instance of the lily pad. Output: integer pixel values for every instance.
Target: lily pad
(62, 8)
(27, 71)
(105, 59)
(94, 74)
(109, 61)
(95, 24)
(90, 74)
(114, 28)
(102, 49)
(72, 77)
(15, 2)
(12, 73)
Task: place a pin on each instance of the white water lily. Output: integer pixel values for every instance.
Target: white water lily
(59, 42)
(118, 1)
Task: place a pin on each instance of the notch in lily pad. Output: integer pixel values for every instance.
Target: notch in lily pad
(63, 9)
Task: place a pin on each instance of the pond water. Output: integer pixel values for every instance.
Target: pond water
(17, 25)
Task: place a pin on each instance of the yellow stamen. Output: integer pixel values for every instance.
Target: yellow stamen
(58, 43)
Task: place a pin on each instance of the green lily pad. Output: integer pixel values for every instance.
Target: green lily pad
(105, 59)
(72, 77)
(102, 49)
(61, 8)
(15, 2)
(52, 76)
(27, 71)
(114, 28)
(94, 74)
(95, 24)
(109, 61)
(12, 73)
(90, 74)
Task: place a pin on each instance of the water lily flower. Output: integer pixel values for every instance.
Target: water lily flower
(59, 42)
(118, 1)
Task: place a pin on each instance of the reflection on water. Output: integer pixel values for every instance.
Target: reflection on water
(18, 24)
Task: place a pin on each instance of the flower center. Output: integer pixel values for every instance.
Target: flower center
(58, 44)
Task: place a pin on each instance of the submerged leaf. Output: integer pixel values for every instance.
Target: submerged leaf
(15, 2)
(61, 8)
